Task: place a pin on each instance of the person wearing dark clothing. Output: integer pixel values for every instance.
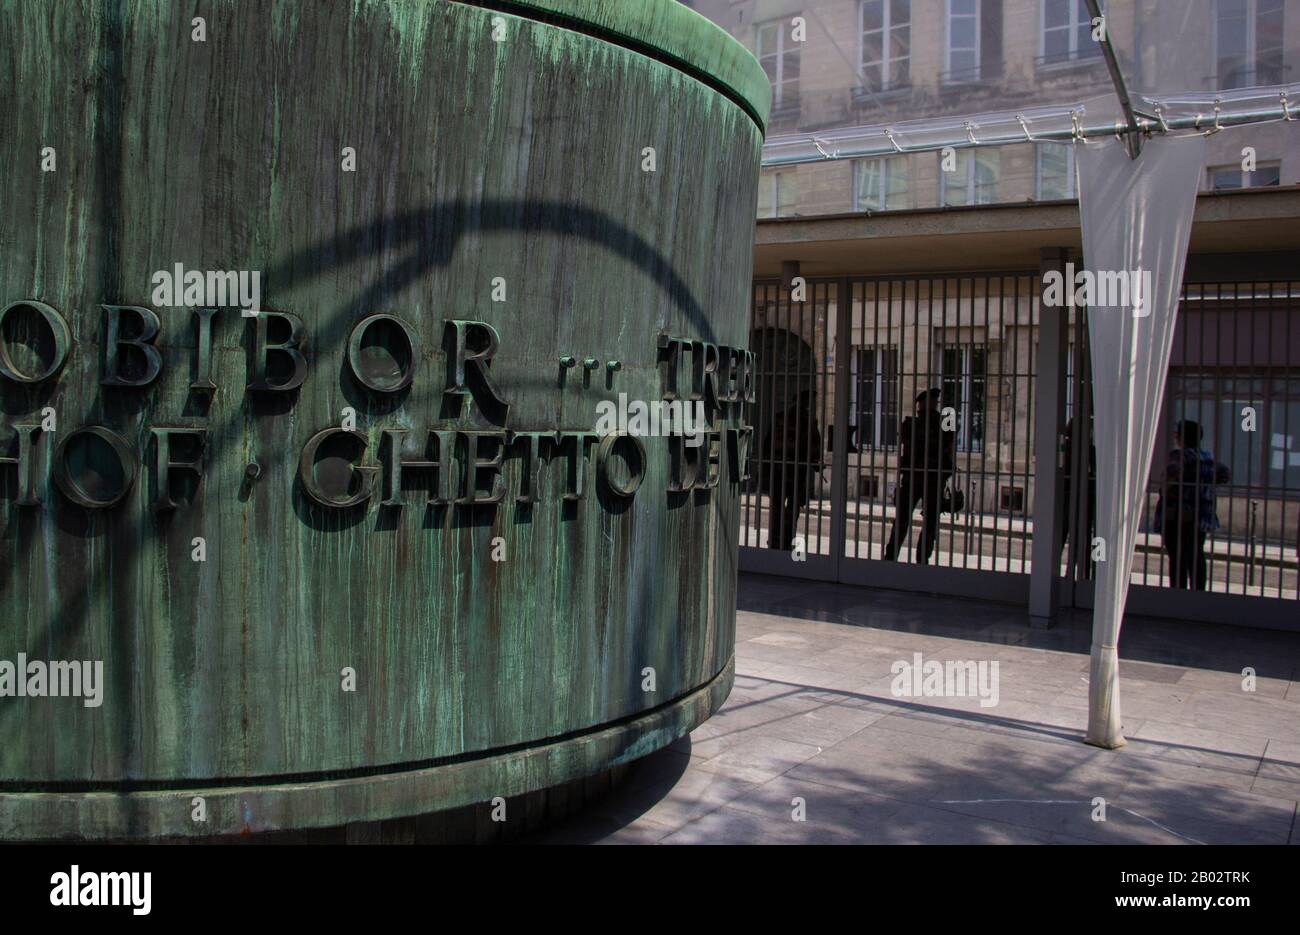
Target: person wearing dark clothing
(1185, 513)
(791, 451)
(1088, 507)
(926, 460)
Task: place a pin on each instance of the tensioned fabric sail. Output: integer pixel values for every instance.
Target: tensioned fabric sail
(1137, 218)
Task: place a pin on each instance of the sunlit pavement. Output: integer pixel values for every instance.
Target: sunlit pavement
(814, 746)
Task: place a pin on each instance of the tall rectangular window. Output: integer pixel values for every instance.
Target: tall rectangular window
(778, 53)
(973, 179)
(873, 401)
(1054, 171)
(963, 380)
(962, 46)
(880, 184)
(1067, 32)
(886, 37)
(778, 193)
(1248, 43)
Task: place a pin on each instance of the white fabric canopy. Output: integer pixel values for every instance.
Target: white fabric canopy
(1137, 218)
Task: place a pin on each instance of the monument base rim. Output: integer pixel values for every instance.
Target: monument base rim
(255, 809)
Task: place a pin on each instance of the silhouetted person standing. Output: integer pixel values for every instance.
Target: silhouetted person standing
(926, 459)
(1088, 518)
(1185, 513)
(792, 450)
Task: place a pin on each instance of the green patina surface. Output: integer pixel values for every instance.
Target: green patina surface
(668, 29)
(475, 159)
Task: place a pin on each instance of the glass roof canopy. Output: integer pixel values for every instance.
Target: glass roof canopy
(871, 89)
(1163, 79)
(1037, 124)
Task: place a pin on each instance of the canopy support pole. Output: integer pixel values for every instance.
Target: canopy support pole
(1132, 139)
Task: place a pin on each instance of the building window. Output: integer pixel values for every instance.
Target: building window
(1269, 456)
(1054, 171)
(963, 379)
(777, 193)
(1231, 176)
(880, 184)
(962, 45)
(886, 30)
(873, 398)
(1248, 43)
(1011, 499)
(1067, 33)
(778, 53)
(973, 180)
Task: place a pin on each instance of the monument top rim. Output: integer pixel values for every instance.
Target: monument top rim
(665, 30)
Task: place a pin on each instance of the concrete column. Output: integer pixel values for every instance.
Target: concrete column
(1049, 420)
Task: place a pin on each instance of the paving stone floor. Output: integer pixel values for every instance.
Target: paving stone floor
(812, 718)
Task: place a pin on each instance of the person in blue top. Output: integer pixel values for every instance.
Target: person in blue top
(1185, 513)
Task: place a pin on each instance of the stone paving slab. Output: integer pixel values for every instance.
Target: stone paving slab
(813, 746)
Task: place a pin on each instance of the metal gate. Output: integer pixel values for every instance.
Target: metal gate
(786, 510)
(858, 352)
(1235, 374)
(841, 362)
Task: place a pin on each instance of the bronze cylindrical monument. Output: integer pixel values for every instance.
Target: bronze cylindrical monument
(373, 380)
